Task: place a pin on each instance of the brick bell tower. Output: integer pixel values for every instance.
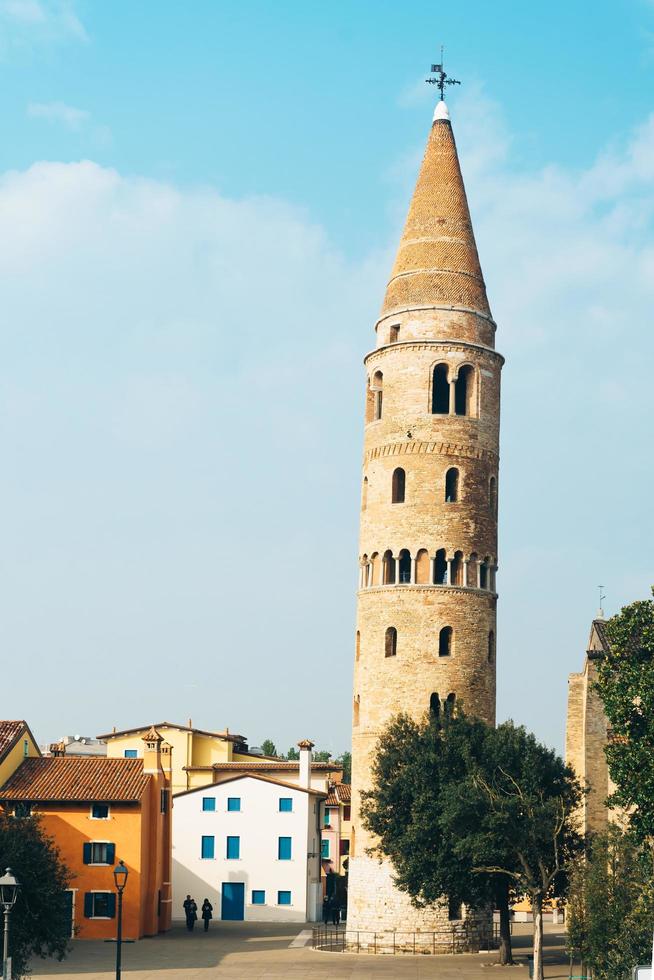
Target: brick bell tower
(426, 611)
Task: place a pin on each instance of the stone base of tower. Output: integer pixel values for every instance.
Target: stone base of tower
(376, 910)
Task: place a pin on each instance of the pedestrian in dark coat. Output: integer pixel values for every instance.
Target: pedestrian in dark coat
(191, 912)
(325, 910)
(206, 913)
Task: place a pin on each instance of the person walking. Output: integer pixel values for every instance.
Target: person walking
(206, 913)
(325, 910)
(191, 912)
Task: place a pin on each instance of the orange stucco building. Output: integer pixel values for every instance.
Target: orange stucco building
(100, 811)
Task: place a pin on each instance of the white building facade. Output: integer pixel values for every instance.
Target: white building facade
(251, 845)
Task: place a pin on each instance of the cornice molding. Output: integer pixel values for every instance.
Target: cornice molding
(458, 346)
(414, 447)
(393, 314)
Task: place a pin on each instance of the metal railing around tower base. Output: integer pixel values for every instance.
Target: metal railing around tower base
(450, 939)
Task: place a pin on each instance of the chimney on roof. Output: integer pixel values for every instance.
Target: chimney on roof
(305, 747)
(167, 759)
(190, 723)
(152, 752)
(58, 748)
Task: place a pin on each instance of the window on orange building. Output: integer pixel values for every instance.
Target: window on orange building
(99, 852)
(99, 905)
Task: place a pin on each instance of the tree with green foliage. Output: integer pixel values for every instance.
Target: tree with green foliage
(474, 814)
(626, 686)
(268, 747)
(292, 755)
(40, 921)
(611, 905)
(345, 760)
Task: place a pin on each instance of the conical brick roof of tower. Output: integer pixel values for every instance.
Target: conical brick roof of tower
(437, 262)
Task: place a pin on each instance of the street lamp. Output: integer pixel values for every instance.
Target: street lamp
(120, 878)
(8, 894)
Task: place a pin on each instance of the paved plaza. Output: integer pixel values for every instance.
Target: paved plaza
(261, 951)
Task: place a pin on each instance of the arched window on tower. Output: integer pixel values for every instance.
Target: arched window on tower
(388, 563)
(355, 710)
(491, 646)
(373, 575)
(492, 496)
(390, 642)
(404, 563)
(483, 573)
(448, 707)
(398, 486)
(445, 642)
(422, 567)
(440, 394)
(473, 571)
(456, 570)
(364, 493)
(357, 645)
(435, 707)
(378, 391)
(464, 391)
(452, 485)
(440, 568)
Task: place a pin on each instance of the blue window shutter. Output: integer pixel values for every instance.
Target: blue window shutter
(86, 856)
(284, 849)
(88, 904)
(111, 853)
(233, 848)
(111, 905)
(285, 804)
(208, 846)
(233, 804)
(208, 804)
(283, 898)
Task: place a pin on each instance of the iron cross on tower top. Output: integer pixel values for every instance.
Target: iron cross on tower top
(443, 79)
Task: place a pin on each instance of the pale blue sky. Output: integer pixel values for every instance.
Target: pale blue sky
(199, 205)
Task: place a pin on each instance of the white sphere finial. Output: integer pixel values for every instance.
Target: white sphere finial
(440, 112)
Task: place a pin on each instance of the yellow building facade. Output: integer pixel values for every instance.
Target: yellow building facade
(16, 744)
(192, 749)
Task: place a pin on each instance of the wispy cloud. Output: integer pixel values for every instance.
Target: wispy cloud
(59, 112)
(24, 11)
(31, 21)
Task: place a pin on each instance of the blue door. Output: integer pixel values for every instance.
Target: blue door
(233, 901)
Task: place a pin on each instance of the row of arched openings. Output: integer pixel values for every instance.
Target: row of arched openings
(442, 710)
(449, 395)
(451, 490)
(437, 569)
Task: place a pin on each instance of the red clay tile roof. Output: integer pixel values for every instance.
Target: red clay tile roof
(9, 733)
(260, 766)
(340, 793)
(225, 736)
(251, 775)
(77, 778)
